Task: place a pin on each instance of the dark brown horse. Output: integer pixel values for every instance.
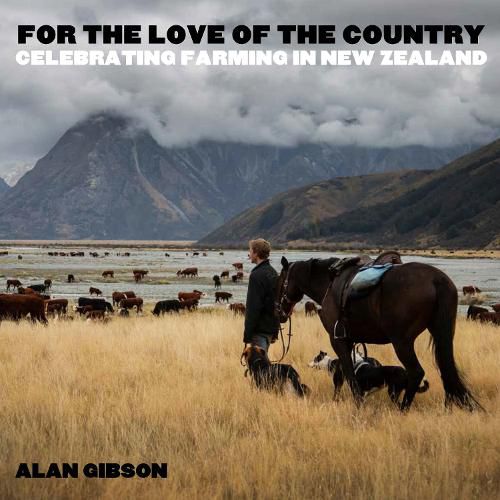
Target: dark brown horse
(411, 298)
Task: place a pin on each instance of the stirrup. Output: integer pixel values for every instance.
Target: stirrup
(339, 337)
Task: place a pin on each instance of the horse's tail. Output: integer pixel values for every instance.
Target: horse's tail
(442, 329)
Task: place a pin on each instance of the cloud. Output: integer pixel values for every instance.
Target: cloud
(369, 106)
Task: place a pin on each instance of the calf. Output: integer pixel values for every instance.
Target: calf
(222, 296)
(94, 291)
(13, 284)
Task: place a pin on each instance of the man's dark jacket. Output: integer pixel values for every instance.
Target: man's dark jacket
(260, 318)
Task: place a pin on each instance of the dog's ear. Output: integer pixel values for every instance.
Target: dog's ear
(323, 353)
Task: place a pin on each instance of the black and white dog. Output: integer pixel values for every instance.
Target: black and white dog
(370, 374)
(271, 376)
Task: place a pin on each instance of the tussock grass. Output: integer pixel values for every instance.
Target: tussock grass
(172, 390)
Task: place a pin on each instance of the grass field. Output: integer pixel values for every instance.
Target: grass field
(172, 390)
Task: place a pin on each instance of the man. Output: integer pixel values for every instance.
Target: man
(261, 322)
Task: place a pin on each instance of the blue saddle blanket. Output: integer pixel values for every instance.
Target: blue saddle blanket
(366, 279)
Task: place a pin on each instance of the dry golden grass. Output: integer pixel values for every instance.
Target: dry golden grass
(172, 390)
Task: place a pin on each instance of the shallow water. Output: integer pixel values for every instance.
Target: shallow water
(162, 282)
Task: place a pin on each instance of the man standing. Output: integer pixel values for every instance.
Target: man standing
(261, 322)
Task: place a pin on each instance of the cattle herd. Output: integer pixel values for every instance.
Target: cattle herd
(34, 300)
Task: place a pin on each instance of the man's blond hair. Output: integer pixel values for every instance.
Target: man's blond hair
(261, 247)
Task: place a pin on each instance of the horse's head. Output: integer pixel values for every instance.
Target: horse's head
(288, 292)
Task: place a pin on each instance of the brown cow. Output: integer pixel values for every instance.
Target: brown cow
(310, 308)
(195, 294)
(131, 303)
(138, 277)
(13, 283)
(474, 311)
(140, 271)
(26, 291)
(490, 317)
(496, 307)
(237, 308)
(57, 305)
(129, 295)
(238, 265)
(108, 274)
(118, 297)
(224, 274)
(189, 304)
(71, 278)
(48, 284)
(16, 307)
(95, 291)
(222, 296)
(470, 290)
(189, 271)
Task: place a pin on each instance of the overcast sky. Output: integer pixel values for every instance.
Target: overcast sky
(437, 106)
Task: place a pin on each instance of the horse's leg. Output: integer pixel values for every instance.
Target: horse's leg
(405, 351)
(343, 348)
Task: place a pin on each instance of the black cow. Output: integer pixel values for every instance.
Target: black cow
(38, 288)
(97, 304)
(165, 306)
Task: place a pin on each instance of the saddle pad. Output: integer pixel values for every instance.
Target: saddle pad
(366, 279)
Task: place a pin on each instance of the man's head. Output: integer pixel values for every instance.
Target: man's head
(259, 250)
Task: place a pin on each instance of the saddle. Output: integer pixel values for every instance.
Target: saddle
(357, 277)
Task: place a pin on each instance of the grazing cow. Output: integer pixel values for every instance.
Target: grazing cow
(48, 284)
(490, 317)
(38, 288)
(57, 305)
(224, 274)
(195, 294)
(94, 291)
(131, 303)
(217, 282)
(470, 290)
(140, 271)
(117, 297)
(237, 308)
(238, 266)
(16, 307)
(166, 306)
(474, 311)
(96, 304)
(82, 310)
(496, 307)
(108, 274)
(71, 278)
(129, 295)
(310, 308)
(138, 277)
(195, 254)
(189, 271)
(222, 296)
(189, 304)
(13, 284)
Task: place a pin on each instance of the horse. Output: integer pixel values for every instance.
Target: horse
(384, 316)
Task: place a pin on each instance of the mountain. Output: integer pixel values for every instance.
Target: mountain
(455, 206)
(12, 173)
(4, 187)
(306, 208)
(104, 179)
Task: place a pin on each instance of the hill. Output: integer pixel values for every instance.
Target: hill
(456, 206)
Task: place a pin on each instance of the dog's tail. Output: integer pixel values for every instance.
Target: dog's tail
(305, 390)
(424, 387)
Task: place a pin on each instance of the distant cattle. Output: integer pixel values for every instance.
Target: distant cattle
(221, 253)
(166, 306)
(496, 307)
(94, 291)
(222, 296)
(17, 307)
(238, 265)
(167, 254)
(195, 294)
(108, 274)
(138, 277)
(217, 282)
(474, 311)
(48, 284)
(237, 308)
(96, 304)
(205, 254)
(56, 305)
(470, 290)
(71, 278)
(490, 317)
(131, 303)
(13, 284)
(310, 308)
(224, 274)
(195, 254)
(19, 257)
(140, 271)
(40, 288)
(189, 271)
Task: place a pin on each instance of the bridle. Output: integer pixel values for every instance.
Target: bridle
(283, 297)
